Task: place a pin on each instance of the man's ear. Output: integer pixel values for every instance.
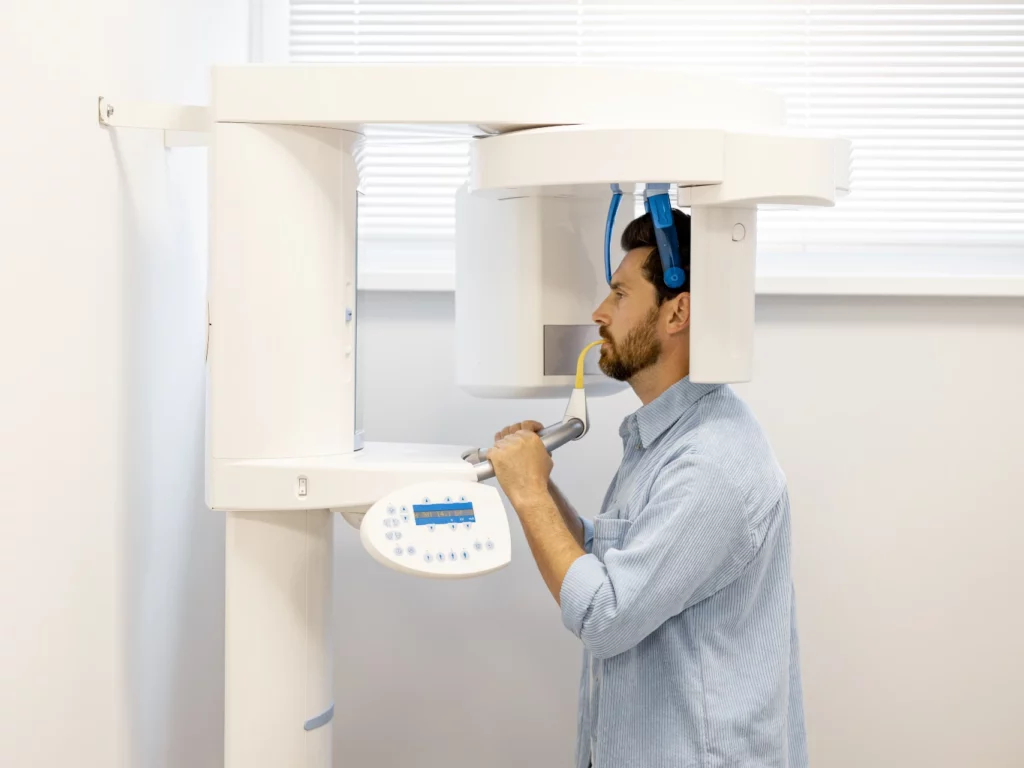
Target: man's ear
(678, 313)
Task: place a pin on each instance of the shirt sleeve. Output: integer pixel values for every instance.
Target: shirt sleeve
(690, 540)
(588, 534)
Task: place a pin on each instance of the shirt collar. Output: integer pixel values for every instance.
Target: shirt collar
(654, 419)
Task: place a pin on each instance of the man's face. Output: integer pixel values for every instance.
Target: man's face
(629, 320)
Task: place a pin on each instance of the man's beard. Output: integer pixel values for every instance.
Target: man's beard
(638, 351)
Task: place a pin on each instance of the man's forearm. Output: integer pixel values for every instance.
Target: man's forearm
(569, 515)
(555, 548)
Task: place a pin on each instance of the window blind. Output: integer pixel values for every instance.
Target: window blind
(930, 93)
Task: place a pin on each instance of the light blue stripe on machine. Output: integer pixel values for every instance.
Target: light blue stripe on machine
(322, 719)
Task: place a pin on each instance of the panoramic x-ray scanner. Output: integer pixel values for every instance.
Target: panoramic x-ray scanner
(555, 149)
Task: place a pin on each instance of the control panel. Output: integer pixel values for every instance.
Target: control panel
(447, 530)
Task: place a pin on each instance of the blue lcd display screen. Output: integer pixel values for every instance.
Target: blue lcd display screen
(443, 514)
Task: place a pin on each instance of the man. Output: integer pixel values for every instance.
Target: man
(680, 589)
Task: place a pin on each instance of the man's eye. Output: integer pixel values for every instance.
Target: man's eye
(619, 295)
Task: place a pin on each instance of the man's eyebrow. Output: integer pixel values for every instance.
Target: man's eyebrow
(616, 285)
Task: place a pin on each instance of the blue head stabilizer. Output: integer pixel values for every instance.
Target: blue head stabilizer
(656, 203)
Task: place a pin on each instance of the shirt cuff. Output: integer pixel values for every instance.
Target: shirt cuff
(588, 534)
(584, 577)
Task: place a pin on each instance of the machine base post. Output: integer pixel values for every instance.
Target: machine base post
(278, 704)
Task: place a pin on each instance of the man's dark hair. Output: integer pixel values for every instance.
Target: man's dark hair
(639, 233)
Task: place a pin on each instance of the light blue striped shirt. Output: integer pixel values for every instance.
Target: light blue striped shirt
(685, 601)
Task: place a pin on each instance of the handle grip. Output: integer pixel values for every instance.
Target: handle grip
(553, 437)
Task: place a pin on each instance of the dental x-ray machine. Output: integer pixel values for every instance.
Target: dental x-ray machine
(554, 147)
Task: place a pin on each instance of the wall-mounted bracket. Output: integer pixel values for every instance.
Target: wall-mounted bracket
(182, 125)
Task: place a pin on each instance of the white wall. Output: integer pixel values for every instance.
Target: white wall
(898, 422)
(111, 568)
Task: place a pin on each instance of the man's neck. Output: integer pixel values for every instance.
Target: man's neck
(651, 383)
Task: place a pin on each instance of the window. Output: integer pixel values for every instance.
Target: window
(931, 93)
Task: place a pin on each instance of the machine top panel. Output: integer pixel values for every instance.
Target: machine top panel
(489, 98)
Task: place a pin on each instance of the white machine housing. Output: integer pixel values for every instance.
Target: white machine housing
(530, 238)
(529, 273)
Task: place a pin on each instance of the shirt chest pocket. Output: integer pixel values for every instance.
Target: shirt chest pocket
(609, 533)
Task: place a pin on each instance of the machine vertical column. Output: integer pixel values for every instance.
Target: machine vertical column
(278, 641)
(282, 292)
(281, 386)
(723, 246)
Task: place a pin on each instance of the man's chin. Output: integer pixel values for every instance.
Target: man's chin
(612, 369)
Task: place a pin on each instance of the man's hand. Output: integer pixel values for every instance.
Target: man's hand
(529, 426)
(521, 463)
(523, 467)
